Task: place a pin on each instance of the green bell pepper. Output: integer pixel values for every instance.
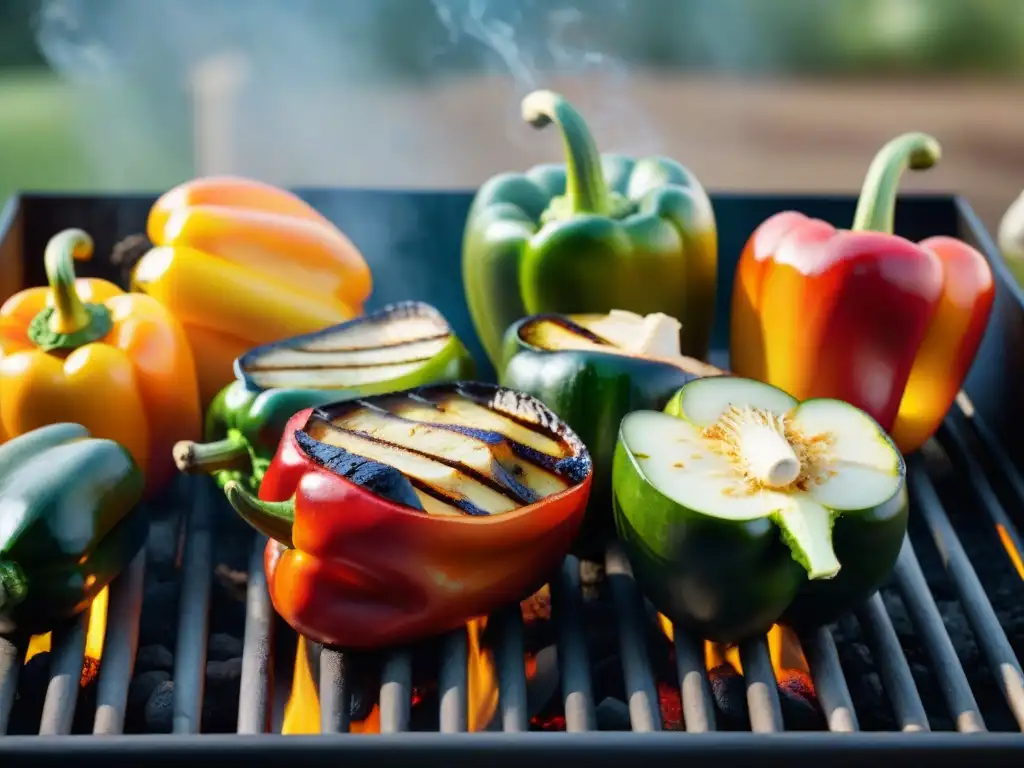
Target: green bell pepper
(740, 508)
(597, 234)
(68, 523)
(582, 367)
(403, 345)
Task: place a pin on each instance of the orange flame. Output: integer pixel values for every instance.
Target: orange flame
(94, 638)
(302, 713)
(783, 647)
(1015, 556)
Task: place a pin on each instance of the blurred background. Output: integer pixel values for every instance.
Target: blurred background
(751, 94)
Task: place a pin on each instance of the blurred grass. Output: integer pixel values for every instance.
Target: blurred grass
(38, 145)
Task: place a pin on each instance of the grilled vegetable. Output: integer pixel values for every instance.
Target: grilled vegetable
(68, 523)
(741, 507)
(592, 370)
(402, 345)
(405, 515)
(241, 263)
(592, 235)
(864, 316)
(84, 351)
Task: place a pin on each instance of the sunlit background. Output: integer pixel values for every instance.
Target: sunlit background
(751, 94)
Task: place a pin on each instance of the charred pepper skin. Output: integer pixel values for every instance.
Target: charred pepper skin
(597, 234)
(863, 316)
(70, 523)
(591, 391)
(349, 568)
(244, 423)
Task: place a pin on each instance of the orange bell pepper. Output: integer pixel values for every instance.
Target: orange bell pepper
(84, 351)
(240, 264)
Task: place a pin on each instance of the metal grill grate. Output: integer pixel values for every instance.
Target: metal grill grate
(978, 461)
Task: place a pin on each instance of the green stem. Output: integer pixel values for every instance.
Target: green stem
(271, 518)
(876, 210)
(61, 253)
(69, 323)
(13, 585)
(585, 187)
(207, 458)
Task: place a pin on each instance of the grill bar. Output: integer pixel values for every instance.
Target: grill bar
(119, 647)
(955, 442)
(335, 693)
(644, 709)
(990, 636)
(395, 692)
(892, 665)
(12, 656)
(453, 682)
(194, 610)
(511, 671)
(257, 654)
(694, 688)
(67, 654)
(573, 656)
(762, 691)
(924, 613)
(829, 683)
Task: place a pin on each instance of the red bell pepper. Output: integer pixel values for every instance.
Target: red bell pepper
(349, 566)
(863, 315)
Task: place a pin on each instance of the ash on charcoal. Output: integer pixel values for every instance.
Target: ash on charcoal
(800, 711)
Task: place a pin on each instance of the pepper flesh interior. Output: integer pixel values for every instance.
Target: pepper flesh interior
(743, 450)
(619, 332)
(460, 456)
(386, 345)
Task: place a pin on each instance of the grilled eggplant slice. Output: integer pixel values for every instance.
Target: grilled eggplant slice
(383, 346)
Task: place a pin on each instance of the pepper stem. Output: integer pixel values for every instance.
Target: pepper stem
(13, 584)
(876, 209)
(206, 458)
(271, 518)
(69, 323)
(585, 187)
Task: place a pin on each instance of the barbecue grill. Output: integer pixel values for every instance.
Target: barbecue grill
(927, 668)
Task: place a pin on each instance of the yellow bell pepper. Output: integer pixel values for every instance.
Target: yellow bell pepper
(84, 351)
(240, 264)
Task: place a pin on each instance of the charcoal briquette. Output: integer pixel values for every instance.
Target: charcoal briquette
(223, 646)
(154, 657)
(159, 712)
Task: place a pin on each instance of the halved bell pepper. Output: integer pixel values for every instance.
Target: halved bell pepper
(403, 345)
(241, 263)
(597, 234)
(68, 523)
(864, 316)
(740, 507)
(84, 351)
(592, 370)
(403, 516)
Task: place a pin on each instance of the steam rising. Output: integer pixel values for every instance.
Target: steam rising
(332, 92)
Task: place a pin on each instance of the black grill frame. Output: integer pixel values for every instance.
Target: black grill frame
(973, 436)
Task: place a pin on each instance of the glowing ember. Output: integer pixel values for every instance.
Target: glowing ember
(95, 635)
